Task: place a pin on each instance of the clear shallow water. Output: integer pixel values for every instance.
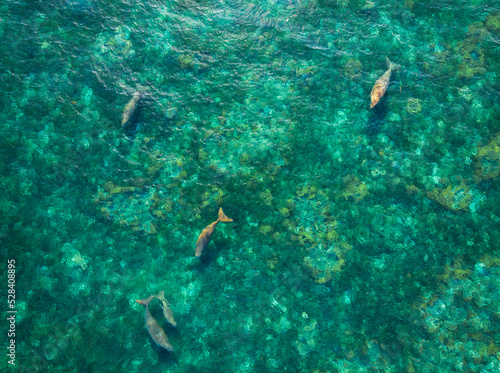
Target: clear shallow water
(363, 240)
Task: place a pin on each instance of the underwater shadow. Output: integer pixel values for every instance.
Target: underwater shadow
(211, 253)
(376, 120)
(164, 356)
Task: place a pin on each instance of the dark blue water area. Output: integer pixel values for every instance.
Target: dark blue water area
(362, 239)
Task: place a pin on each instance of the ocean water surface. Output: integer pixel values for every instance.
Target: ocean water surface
(362, 240)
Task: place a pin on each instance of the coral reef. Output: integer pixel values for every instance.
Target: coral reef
(343, 216)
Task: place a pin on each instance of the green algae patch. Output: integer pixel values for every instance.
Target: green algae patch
(493, 22)
(325, 262)
(458, 313)
(453, 197)
(455, 271)
(472, 56)
(490, 261)
(307, 338)
(186, 61)
(488, 160)
(353, 69)
(110, 189)
(135, 207)
(413, 105)
(265, 229)
(308, 191)
(355, 190)
(315, 231)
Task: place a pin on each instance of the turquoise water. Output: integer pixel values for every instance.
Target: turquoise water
(363, 240)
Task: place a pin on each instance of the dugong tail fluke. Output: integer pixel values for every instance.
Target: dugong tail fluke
(222, 217)
(391, 65)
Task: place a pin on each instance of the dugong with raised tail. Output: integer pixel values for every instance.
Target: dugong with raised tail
(206, 234)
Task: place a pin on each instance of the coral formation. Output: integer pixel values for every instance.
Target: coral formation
(460, 318)
(132, 206)
(488, 160)
(353, 69)
(466, 93)
(355, 190)
(493, 22)
(453, 197)
(324, 249)
(473, 57)
(413, 105)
